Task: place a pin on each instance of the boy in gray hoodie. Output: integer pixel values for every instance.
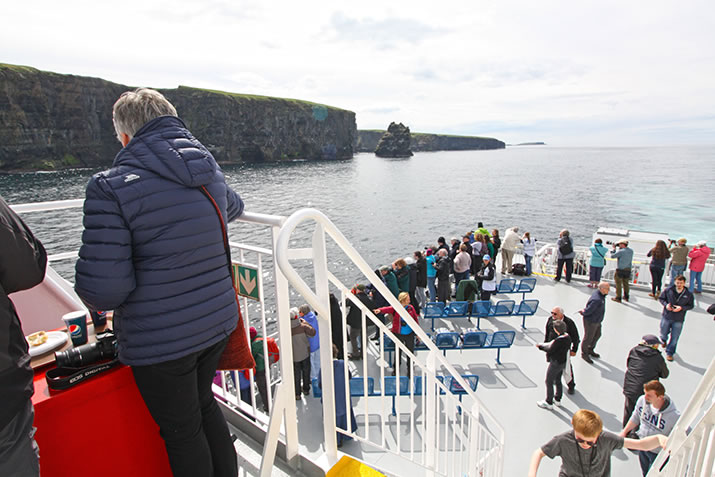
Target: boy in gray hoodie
(655, 413)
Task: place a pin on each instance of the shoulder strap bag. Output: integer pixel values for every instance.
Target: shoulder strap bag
(237, 354)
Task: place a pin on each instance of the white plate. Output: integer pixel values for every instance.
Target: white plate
(55, 339)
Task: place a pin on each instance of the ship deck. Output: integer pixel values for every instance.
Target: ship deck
(510, 390)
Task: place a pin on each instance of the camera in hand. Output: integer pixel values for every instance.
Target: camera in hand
(103, 349)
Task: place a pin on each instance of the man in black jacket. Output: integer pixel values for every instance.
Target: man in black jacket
(592, 318)
(354, 320)
(22, 266)
(676, 301)
(557, 314)
(644, 364)
(556, 352)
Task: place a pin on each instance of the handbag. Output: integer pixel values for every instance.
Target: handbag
(237, 354)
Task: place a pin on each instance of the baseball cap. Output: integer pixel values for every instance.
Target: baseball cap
(651, 340)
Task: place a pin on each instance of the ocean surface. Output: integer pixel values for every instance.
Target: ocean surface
(389, 208)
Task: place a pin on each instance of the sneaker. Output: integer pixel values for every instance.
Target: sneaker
(571, 390)
(594, 354)
(544, 405)
(669, 358)
(557, 403)
(587, 358)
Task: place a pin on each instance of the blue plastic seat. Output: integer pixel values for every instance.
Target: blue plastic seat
(506, 285)
(481, 309)
(499, 340)
(526, 285)
(357, 386)
(456, 309)
(526, 308)
(432, 311)
(502, 308)
(446, 340)
(474, 339)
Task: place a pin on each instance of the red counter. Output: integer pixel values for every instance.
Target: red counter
(99, 427)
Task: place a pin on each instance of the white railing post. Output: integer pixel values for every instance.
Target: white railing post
(320, 267)
(431, 417)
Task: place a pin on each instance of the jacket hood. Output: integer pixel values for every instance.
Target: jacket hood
(646, 351)
(165, 147)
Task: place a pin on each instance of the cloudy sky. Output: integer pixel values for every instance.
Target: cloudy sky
(566, 72)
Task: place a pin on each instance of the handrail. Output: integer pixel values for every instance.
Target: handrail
(691, 444)
(295, 280)
(320, 302)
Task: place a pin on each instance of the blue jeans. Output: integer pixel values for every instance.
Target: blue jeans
(674, 328)
(646, 459)
(696, 277)
(676, 270)
(432, 288)
(527, 259)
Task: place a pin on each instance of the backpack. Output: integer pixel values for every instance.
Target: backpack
(274, 354)
(518, 269)
(565, 248)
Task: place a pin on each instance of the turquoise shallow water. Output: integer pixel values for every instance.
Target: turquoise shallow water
(391, 207)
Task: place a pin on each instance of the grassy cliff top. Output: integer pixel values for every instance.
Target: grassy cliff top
(256, 97)
(251, 97)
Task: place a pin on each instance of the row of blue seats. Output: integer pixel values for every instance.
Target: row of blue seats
(470, 339)
(390, 387)
(480, 309)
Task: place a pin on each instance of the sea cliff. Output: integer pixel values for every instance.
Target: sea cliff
(53, 121)
(368, 139)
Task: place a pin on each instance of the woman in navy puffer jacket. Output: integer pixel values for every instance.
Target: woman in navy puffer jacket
(153, 251)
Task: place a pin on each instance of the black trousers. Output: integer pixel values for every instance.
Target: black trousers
(409, 341)
(260, 378)
(553, 380)
(560, 266)
(301, 372)
(179, 398)
(628, 407)
(443, 289)
(591, 335)
(656, 279)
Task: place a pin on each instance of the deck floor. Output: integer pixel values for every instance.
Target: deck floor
(510, 390)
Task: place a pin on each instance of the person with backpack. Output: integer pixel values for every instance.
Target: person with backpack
(401, 329)
(260, 370)
(598, 261)
(565, 256)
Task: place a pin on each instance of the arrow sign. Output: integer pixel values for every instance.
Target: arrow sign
(246, 280)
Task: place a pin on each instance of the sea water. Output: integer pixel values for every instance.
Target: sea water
(389, 208)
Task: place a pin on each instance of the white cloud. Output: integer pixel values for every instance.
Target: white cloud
(563, 72)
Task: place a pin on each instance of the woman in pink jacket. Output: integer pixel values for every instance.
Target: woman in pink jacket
(698, 256)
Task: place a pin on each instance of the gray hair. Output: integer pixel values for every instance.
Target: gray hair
(304, 309)
(293, 313)
(135, 108)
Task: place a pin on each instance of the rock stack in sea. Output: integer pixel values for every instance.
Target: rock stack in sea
(395, 142)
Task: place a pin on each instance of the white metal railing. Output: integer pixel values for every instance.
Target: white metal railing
(457, 438)
(690, 450)
(545, 262)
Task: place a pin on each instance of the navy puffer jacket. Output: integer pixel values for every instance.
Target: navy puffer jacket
(152, 249)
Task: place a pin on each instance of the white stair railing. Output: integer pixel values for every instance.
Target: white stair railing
(458, 438)
(690, 451)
